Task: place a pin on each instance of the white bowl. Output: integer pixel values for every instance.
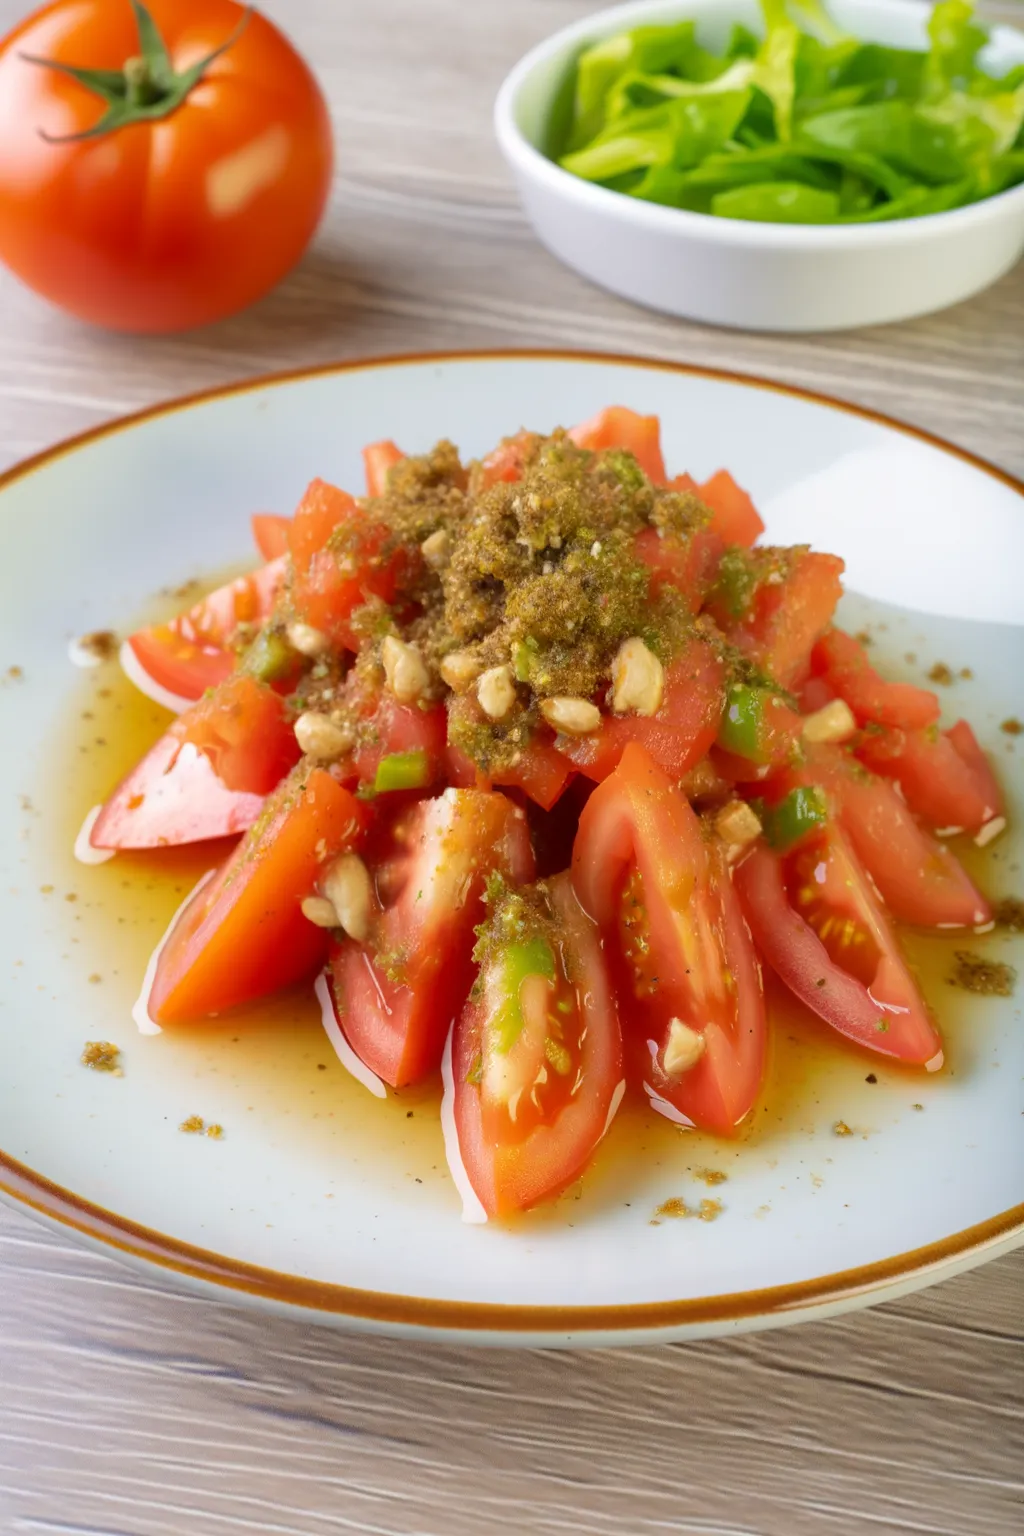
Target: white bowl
(769, 277)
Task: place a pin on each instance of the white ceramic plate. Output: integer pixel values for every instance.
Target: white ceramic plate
(326, 1203)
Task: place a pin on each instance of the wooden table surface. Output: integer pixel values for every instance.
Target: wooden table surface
(126, 1410)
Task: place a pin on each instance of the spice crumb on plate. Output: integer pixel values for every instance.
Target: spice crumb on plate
(102, 1056)
(941, 674)
(985, 978)
(1012, 726)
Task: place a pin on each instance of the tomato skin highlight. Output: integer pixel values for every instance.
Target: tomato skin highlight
(665, 904)
(944, 776)
(243, 935)
(887, 1015)
(192, 653)
(270, 534)
(677, 737)
(510, 1175)
(920, 881)
(619, 427)
(163, 225)
(843, 663)
(396, 1018)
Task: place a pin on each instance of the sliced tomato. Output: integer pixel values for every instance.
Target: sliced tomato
(944, 776)
(844, 664)
(504, 463)
(378, 459)
(540, 771)
(619, 427)
(331, 584)
(919, 880)
(207, 775)
(735, 518)
(537, 1060)
(397, 994)
(404, 731)
(821, 929)
(677, 737)
(788, 616)
(243, 934)
(663, 898)
(177, 662)
(688, 564)
(270, 534)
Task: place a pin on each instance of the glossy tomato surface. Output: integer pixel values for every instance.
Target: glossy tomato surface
(168, 223)
(532, 1101)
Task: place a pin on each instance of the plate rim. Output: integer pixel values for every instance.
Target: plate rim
(24, 1188)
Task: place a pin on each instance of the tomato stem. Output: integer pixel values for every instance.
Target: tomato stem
(146, 88)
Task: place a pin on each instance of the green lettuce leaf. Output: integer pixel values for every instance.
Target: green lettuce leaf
(955, 44)
(778, 202)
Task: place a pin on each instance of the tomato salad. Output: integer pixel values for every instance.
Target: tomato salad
(538, 762)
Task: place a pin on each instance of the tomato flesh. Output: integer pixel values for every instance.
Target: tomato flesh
(532, 1102)
(677, 737)
(504, 463)
(844, 664)
(819, 926)
(735, 519)
(243, 935)
(664, 902)
(920, 881)
(329, 586)
(788, 616)
(378, 460)
(688, 564)
(618, 427)
(207, 775)
(270, 534)
(396, 994)
(944, 776)
(192, 652)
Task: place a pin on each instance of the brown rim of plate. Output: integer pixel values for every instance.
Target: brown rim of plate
(33, 1192)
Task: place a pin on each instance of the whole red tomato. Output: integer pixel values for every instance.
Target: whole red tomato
(160, 166)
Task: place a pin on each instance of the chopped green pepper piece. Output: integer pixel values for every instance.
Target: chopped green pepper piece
(269, 657)
(802, 811)
(534, 957)
(744, 727)
(402, 770)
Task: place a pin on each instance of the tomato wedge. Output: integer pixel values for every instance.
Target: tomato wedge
(504, 463)
(378, 459)
(919, 880)
(540, 771)
(330, 584)
(688, 564)
(735, 519)
(618, 427)
(243, 934)
(177, 662)
(788, 616)
(536, 1055)
(943, 775)
(207, 775)
(677, 737)
(663, 898)
(819, 926)
(403, 740)
(270, 534)
(844, 664)
(396, 995)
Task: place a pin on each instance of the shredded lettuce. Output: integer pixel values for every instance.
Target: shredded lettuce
(804, 124)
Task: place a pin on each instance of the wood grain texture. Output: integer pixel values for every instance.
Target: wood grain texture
(126, 1410)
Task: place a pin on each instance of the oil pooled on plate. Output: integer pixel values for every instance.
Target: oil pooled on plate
(272, 1063)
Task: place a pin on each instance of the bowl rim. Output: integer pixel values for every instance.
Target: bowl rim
(706, 228)
(225, 1277)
